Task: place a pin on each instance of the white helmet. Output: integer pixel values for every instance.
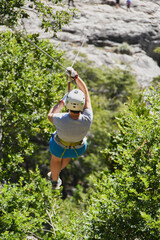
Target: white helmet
(75, 100)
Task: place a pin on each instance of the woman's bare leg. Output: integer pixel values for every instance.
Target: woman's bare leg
(65, 162)
(56, 165)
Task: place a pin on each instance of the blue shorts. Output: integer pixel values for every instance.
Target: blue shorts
(59, 149)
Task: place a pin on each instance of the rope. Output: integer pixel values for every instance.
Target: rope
(53, 59)
(78, 52)
(69, 82)
(66, 149)
(76, 151)
(34, 44)
(48, 55)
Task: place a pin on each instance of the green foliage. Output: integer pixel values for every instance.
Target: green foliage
(124, 48)
(109, 89)
(51, 18)
(30, 84)
(157, 50)
(156, 82)
(29, 208)
(12, 11)
(115, 85)
(125, 204)
(120, 204)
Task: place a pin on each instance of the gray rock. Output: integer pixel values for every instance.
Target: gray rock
(104, 29)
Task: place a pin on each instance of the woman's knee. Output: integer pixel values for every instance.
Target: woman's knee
(55, 159)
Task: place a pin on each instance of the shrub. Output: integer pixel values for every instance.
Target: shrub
(124, 48)
(29, 208)
(28, 88)
(125, 204)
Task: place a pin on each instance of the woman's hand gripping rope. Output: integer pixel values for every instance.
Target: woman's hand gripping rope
(70, 72)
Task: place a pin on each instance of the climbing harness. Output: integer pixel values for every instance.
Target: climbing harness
(66, 149)
(68, 144)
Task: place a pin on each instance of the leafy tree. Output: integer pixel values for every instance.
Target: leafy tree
(26, 85)
(109, 90)
(29, 209)
(13, 12)
(125, 204)
(30, 84)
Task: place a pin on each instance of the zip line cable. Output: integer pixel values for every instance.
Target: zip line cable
(48, 55)
(34, 44)
(78, 52)
(69, 82)
(53, 59)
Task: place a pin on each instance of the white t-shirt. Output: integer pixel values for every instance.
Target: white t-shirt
(71, 130)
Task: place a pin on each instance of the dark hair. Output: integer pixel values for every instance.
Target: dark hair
(75, 111)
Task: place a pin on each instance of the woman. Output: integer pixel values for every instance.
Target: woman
(69, 140)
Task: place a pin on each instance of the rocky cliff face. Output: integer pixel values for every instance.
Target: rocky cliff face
(104, 31)
(104, 28)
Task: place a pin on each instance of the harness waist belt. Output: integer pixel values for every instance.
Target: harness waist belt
(69, 144)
